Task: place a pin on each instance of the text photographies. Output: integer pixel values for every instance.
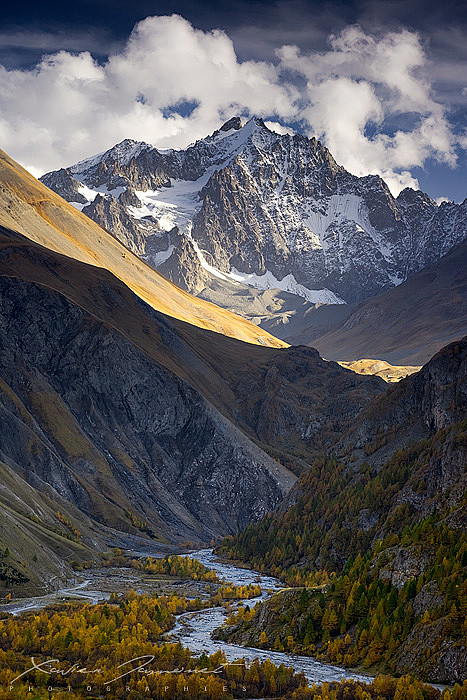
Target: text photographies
(138, 665)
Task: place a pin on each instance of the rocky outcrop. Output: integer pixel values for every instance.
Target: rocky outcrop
(112, 216)
(406, 563)
(177, 260)
(432, 654)
(62, 181)
(128, 198)
(428, 401)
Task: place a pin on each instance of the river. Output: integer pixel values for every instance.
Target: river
(194, 629)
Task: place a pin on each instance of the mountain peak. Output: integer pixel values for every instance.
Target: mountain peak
(409, 196)
(127, 149)
(270, 210)
(122, 152)
(233, 123)
(259, 122)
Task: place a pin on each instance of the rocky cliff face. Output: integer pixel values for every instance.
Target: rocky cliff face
(428, 408)
(112, 216)
(264, 210)
(92, 420)
(292, 403)
(112, 432)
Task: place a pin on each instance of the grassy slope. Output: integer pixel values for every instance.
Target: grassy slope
(36, 548)
(380, 368)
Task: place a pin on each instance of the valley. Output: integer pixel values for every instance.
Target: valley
(193, 630)
(242, 352)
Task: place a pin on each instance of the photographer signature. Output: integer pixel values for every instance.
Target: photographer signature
(142, 662)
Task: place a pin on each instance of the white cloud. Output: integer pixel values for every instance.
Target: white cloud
(69, 106)
(359, 88)
(279, 128)
(369, 99)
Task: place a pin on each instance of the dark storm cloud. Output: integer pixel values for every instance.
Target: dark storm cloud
(257, 27)
(288, 16)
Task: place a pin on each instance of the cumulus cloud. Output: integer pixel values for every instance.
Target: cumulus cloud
(70, 106)
(369, 99)
(359, 88)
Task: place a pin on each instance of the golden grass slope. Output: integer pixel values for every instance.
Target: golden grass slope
(380, 368)
(31, 208)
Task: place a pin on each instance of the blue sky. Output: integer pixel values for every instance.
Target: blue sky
(382, 83)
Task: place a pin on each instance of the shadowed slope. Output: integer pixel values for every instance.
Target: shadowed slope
(101, 421)
(129, 422)
(408, 324)
(282, 399)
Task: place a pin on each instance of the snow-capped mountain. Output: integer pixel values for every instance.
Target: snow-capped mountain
(248, 207)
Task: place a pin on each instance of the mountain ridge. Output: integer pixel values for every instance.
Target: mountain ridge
(410, 323)
(254, 208)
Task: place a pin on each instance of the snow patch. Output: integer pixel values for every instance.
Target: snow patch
(83, 165)
(79, 205)
(222, 135)
(286, 284)
(268, 281)
(163, 255)
(88, 193)
(171, 206)
(204, 263)
(342, 209)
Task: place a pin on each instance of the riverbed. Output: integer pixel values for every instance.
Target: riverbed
(193, 630)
